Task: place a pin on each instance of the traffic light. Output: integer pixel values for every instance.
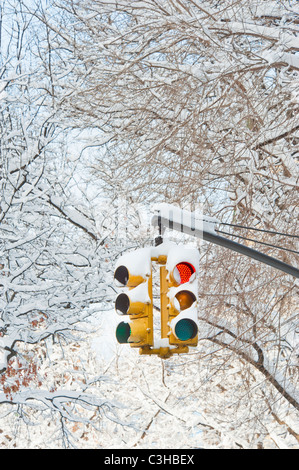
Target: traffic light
(134, 273)
(182, 293)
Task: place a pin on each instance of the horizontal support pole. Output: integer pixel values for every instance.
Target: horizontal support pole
(247, 251)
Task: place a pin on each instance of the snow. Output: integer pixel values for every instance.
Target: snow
(180, 253)
(162, 343)
(182, 219)
(281, 57)
(105, 345)
(189, 313)
(138, 261)
(270, 33)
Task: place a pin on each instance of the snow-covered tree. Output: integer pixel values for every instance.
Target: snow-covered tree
(197, 102)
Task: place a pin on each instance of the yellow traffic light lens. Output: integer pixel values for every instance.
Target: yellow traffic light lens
(122, 304)
(185, 299)
(185, 329)
(183, 272)
(122, 275)
(123, 332)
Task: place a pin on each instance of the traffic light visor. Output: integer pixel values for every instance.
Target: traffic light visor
(122, 275)
(183, 272)
(123, 332)
(185, 329)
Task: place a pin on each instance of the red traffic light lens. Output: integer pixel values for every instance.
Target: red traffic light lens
(183, 272)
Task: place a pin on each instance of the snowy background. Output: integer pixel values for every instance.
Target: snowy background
(108, 108)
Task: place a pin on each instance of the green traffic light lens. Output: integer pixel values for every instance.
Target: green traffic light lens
(123, 332)
(185, 329)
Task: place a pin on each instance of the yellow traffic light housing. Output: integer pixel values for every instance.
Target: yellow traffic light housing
(136, 302)
(178, 294)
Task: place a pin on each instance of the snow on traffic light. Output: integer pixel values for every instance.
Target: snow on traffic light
(133, 272)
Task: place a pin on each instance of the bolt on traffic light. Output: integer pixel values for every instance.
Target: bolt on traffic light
(136, 301)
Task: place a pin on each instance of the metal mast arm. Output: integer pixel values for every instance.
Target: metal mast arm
(180, 224)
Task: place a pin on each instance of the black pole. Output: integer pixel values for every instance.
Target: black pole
(226, 243)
